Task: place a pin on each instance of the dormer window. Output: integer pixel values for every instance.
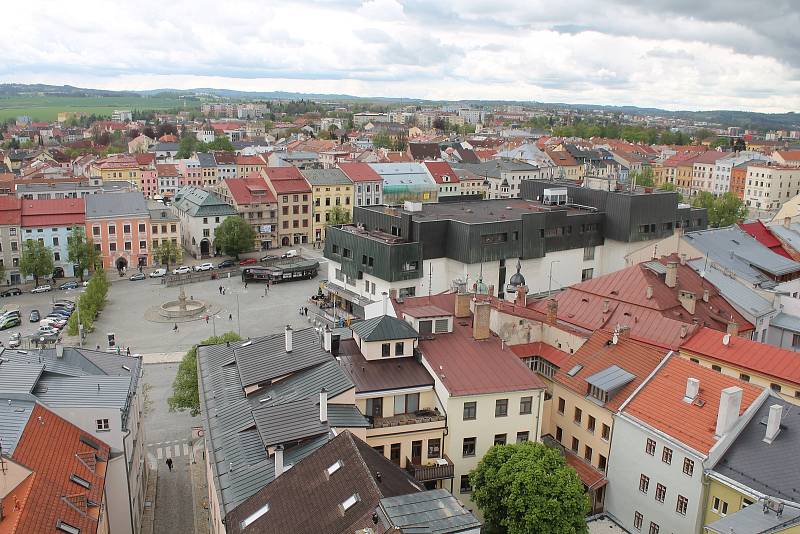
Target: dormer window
(598, 394)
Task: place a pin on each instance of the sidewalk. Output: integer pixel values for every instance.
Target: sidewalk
(197, 469)
(162, 357)
(148, 516)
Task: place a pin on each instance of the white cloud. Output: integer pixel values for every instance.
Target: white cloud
(675, 55)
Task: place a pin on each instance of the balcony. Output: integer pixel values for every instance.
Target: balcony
(418, 417)
(438, 469)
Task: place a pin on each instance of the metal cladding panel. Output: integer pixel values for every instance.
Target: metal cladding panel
(533, 242)
(576, 231)
(656, 209)
(387, 259)
(435, 237)
(374, 219)
(481, 248)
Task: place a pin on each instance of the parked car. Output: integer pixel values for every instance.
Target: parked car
(14, 340)
(158, 273)
(9, 321)
(61, 312)
(47, 337)
(137, 276)
(248, 261)
(51, 321)
(11, 292)
(63, 303)
(269, 257)
(224, 264)
(46, 329)
(35, 316)
(183, 269)
(68, 285)
(204, 267)
(42, 289)
(289, 254)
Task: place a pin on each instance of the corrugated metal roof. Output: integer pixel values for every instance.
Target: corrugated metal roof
(786, 321)
(346, 416)
(19, 377)
(98, 391)
(14, 415)
(434, 511)
(266, 359)
(287, 422)
(116, 205)
(744, 299)
(610, 378)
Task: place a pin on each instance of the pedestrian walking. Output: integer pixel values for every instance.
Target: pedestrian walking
(128, 351)
(245, 284)
(169, 463)
(305, 311)
(220, 290)
(265, 290)
(206, 319)
(175, 327)
(230, 317)
(98, 347)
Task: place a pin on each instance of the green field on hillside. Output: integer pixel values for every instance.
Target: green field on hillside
(47, 108)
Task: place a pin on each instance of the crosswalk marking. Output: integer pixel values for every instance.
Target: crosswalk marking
(186, 449)
(159, 453)
(162, 450)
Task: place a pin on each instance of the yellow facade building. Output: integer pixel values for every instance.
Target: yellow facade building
(331, 192)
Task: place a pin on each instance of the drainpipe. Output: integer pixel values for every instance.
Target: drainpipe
(128, 476)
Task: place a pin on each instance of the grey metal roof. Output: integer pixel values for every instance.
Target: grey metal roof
(753, 520)
(403, 173)
(610, 379)
(733, 249)
(786, 322)
(14, 415)
(384, 328)
(656, 266)
(435, 511)
(346, 416)
(288, 422)
(789, 235)
(744, 299)
(19, 377)
(163, 147)
(495, 168)
(332, 176)
(765, 467)
(116, 205)
(201, 203)
(206, 159)
(266, 359)
(96, 391)
(306, 383)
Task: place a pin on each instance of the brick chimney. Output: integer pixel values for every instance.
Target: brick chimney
(705, 295)
(733, 328)
(480, 320)
(462, 304)
(687, 300)
(552, 311)
(773, 423)
(648, 292)
(730, 402)
(671, 279)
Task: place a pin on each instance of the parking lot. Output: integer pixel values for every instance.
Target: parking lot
(26, 302)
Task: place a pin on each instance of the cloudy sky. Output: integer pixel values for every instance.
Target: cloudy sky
(673, 54)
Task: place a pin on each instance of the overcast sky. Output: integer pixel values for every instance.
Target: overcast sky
(673, 54)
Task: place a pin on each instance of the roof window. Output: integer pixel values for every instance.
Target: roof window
(247, 521)
(350, 502)
(335, 467)
(66, 527)
(80, 481)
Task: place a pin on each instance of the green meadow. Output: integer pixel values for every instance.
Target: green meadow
(47, 108)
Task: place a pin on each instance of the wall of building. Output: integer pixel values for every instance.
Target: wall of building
(215, 523)
(10, 250)
(137, 236)
(54, 238)
(294, 219)
(726, 494)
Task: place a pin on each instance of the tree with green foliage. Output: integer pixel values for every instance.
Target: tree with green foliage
(339, 215)
(219, 143)
(724, 210)
(80, 252)
(187, 146)
(234, 236)
(36, 260)
(89, 303)
(168, 252)
(643, 178)
(667, 186)
(185, 391)
(528, 487)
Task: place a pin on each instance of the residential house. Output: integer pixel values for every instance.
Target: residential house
(790, 158)
(739, 177)
(331, 190)
(472, 185)
(118, 224)
(51, 222)
(504, 177)
(567, 167)
(420, 151)
(165, 152)
(225, 165)
(267, 403)
(148, 174)
(770, 186)
(246, 165)
(256, 204)
(10, 238)
(666, 435)
(200, 213)
(117, 168)
(302, 159)
(208, 168)
(164, 226)
(294, 204)
(445, 177)
(704, 177)
(169, 179)
(140, 144)
(367, 184)
(189, 171)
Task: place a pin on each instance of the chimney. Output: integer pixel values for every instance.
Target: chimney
(648, 292)
(705, 295)
(733, 328)
(385, 301)
(623, 332)
(692, 389)
(491, 290)
(683, 258)
(288, 335)
(392, 294)
(327, 337)
(521, 298)
(729, 403)
(671, 279)
(462, 304)
(606, 304)
(773, 423)
(552, 311)
(787, 222)
(279, 461)
(684, 330)
(323, 405)
(687, 300)
(480, 320)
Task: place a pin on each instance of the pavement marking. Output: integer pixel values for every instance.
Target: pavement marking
(177, 450)
(159, 453)
(186, 449)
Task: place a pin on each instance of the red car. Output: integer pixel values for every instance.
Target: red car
(248, 261)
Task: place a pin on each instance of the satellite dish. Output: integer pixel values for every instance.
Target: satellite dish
(726, 339)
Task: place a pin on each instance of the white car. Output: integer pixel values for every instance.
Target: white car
(43, 329)
(158, 273)
(289, 254)
(204, 267)
(182, 270)
(41, 289)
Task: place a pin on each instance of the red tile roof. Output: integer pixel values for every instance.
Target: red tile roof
(740, 352)
(250, 190)
(598, 353)
(225, 158)
(10, 213)
(591, 477)
(167, 169)
(789, 155)
(466, 366)
(249, 160)
(660, 402)
(52, 448)
(441, 169)
(287, 180)
(146, 158)
(53, 212)
(360, 172)
(538, 348)
(562, 158)
(763, 235)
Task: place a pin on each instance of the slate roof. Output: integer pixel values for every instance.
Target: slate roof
(266, 359)
(433, 512)
(15, 410)
(331, 176)
(381, 375)
(763, 466)
(131, 204)
(201, 203)
(384, 328)
(321, 494)
(290, 421)
(206, 159)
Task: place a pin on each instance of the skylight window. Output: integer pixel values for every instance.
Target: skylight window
(66, 527)
(80, 481)
(575, 370)
(335, 467)
(350, 502)
(247, 521)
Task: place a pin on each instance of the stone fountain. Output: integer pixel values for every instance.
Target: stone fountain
(183, 307)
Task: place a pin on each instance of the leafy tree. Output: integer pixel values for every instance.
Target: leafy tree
(382, 141)
(80, 252)
(90, 303)
(439, 124)
(667, 186)
(187, 146)
(528, 487)
(234, 236)
(643, 178)
(149, 132)
(339, 215)
(168, 252)
(724, 210)
(166, 128)
(185, 392)
(36, 260)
